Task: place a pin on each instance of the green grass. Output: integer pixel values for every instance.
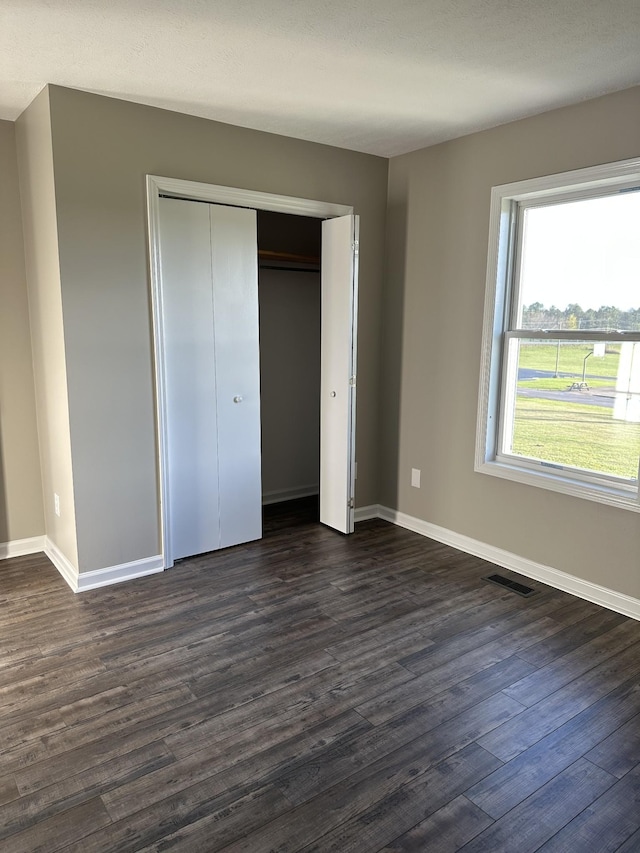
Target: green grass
(577, 435)
(571, 359)
(572, 433)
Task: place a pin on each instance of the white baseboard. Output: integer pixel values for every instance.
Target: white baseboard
(83, 581)
(281, 495)
(123, 572)
(364, 513)
(62, 563)
(609, 598)
(20, 547)
(601, 595)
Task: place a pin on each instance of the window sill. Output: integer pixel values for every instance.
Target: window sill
(555, 482)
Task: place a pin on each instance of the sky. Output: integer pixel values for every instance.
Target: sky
(585, 252)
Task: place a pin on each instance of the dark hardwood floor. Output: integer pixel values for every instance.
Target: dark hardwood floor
(314, 692)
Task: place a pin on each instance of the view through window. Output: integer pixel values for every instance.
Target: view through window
(571, 360)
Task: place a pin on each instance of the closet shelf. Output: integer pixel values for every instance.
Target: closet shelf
(267, 255)
(288, 260)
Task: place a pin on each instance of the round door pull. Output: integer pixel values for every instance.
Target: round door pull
(333, 393)
(237, 399)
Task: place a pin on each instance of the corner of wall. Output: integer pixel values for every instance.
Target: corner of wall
(21, 511)
(38, 202)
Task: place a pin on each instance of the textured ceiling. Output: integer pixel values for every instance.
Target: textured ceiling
(381, 76)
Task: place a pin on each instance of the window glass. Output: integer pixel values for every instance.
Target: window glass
(580, 265)
(574, 404)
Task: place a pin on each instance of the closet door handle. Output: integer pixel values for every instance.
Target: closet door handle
(237, 399)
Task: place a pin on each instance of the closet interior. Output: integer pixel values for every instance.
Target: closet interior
(289, 297)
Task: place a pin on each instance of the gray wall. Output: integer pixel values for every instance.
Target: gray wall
(35, 163)
(21, 513)
(102, 149)
(438, 213)
(289, 380)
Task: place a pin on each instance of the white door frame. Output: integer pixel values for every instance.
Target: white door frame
(197, 191)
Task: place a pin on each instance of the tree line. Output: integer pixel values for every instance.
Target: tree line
(605, 318)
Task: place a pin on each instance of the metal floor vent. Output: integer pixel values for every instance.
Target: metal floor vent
(514, 586)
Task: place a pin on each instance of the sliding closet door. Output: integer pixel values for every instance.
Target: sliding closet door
(210, 364)
(339, 272)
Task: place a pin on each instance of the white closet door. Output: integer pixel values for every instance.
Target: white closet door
(191, 453)
(209, 322)
(234, 249)
(339, 272)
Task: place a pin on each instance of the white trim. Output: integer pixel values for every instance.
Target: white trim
(499, 261)
(555, 482)
(20, 547)
(216, 194)
(355, 296)
(118, 574)
(575, 335)
(83, 581)
(281, 495)
(498, 294)
(62, 564)
(602, 595)
(618, 174)
(244, 198)
(365, 513)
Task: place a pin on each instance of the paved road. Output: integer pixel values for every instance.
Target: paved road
(529, 373)
(597, 397)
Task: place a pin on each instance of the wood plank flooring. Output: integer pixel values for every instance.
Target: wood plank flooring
(313, 692)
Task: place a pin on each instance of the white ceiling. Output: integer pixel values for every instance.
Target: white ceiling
(381, 76)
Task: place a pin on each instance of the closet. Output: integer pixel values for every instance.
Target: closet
(290, 315)
(204, 272)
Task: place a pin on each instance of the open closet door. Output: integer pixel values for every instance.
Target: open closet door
(339, 272)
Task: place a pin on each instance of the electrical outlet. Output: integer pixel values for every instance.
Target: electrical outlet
(56, 504)
(415, 478)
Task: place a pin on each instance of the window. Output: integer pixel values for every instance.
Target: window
(560, 382)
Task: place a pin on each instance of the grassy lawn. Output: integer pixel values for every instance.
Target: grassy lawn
(579, 435)
(571, 359)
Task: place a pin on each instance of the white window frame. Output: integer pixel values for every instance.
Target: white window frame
(502, 282)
